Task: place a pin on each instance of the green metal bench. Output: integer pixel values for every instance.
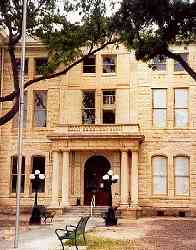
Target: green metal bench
(72, 232)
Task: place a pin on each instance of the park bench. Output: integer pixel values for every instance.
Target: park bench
(72, 232)
(46, 213)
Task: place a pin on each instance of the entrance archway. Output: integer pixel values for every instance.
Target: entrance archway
(95, 168)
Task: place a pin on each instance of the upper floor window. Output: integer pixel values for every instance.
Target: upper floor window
(159, 103)
(177, 65)
(89, 64)
(40, 63)
(14, 161)
(40, 108)
(18, 64)
(88, 107)
(109, 63)
(181, 107)
(108, 97)
(39, 164)
(159, 63)
(15, 119)
(181, 165)
(159, 168)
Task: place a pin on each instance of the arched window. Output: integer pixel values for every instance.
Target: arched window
(159, 172)
(14, 160)
(38, 163)
(181, 165)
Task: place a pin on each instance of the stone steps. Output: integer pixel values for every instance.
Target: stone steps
(85, 210)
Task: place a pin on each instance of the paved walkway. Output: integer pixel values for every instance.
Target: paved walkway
(146, 234)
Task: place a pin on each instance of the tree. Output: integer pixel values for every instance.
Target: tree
(65, 40)
(150, 27)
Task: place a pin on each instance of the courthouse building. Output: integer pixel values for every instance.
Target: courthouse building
(109, 112)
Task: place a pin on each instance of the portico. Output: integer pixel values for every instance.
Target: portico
(72, 149)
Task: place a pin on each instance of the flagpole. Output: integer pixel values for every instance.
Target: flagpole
(20, 124)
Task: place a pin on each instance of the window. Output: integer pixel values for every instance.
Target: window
(88, 104)
(89, 64)
(159, 63)
(181, 164)
(109, 63)
(177, 65)
(40, 108)
(40, 63)
(181, 107)
(15, 119)
(18, 64)
(39, 164)
(108, 106)
(14, 160)
(159, 166)
(108, 97)
(159, 101)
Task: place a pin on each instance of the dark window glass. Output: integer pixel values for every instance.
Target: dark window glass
(109, 116)
(89, 64)
(40, 108)
(15, 119)
(18, 64)
(159, 63)
(14, 174)
(177, 65)
(39, 164)
(109, 63)
(88, 103)
(40, 64)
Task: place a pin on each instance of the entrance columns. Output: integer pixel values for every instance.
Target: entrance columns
(65, 179)
(55, 178)
(124, 178)
(134, 179)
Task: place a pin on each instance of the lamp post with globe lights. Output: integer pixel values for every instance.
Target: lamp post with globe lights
(36, 179)
(109, 179)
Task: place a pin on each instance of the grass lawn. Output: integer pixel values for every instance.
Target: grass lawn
(98, 243)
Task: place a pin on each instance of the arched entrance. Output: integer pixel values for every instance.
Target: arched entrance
(95, 168)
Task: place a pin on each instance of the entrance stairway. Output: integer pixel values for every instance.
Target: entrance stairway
(85, 210)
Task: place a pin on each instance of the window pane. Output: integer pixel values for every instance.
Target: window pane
(181, 98)
(109, 64)
(181, 166)
(109, 116)
(89, 64)
(160, 63)
(14, 174)
(40, 108)
(182, 185)
(88, 99)
(159, 185)
(159, 98)
(159, 165)
(177, 65)
(40, 64)
(181, 118)
(18, 64)
(159, 118)
(88, 116)
(15, 119)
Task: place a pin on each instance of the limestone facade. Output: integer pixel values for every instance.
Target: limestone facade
(129, 144)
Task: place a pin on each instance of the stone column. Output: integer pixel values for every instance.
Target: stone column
(65, 179)
(55, 178)
(124, 178)
(134, 179)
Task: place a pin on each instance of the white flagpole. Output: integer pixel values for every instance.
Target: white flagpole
(20, 124)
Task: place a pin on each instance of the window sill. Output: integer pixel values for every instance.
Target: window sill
(108, 74)
(89, 74)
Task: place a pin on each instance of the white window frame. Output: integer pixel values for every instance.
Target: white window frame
(114, 56)
(156, 176)
(183, 108)
(156, 109)
(183, 175)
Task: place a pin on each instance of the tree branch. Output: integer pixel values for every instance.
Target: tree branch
(11, 113)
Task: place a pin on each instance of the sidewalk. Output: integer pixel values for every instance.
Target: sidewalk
(159, 233)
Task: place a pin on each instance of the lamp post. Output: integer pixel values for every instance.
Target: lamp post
(36, 180)
(109, 179)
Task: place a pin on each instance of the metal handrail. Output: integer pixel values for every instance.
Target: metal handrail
(92, 204)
